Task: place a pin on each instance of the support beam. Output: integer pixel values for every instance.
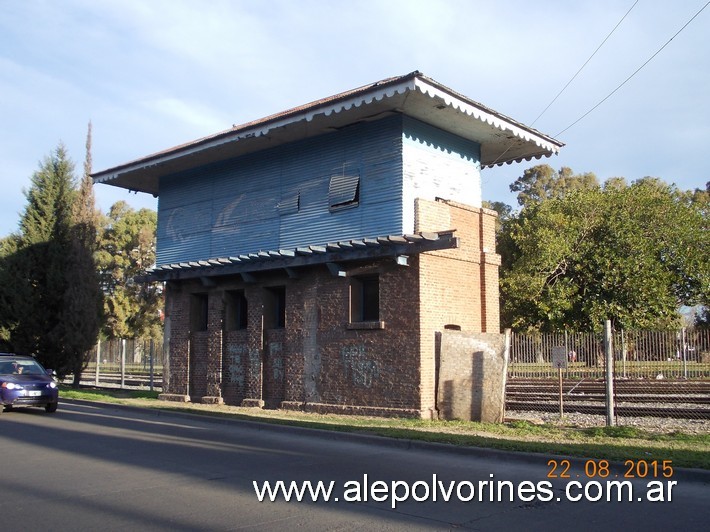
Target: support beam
(336, 270)
(402, 260)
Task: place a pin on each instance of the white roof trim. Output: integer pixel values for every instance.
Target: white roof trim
(484, 116)
(143, 174)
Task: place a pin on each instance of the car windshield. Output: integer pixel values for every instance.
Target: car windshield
(20, 367)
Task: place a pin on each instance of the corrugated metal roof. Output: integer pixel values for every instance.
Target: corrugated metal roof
(334, 252)
(502, 139)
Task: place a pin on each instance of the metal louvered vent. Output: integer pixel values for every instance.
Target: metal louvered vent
(344, 191)
(289, 205)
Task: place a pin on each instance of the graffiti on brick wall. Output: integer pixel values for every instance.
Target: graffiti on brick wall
(254, 361)
(361, 370)
(278, 369)
(235, 365)
(237, 355)
(277, 362)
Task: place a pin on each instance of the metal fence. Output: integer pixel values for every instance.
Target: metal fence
(654, 374)
(133, 363)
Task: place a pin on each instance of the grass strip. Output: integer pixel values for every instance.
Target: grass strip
(615, 444)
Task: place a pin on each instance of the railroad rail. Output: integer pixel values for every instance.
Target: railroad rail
(642, 398)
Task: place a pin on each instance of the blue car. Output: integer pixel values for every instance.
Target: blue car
(24, 382)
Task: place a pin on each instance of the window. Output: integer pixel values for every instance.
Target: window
(344, 191)
(275, 308)
(365, 298)
(198, 312)
(236, 310)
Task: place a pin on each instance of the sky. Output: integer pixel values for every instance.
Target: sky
(153, 74)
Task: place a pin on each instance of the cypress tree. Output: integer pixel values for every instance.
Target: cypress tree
(83, 303)
(56, 300)
(41, 261)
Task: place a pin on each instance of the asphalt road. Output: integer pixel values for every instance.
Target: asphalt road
(95, 467)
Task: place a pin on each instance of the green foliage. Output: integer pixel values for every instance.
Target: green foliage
(106, 396)
(37, 266)
(542, 182)
(8, 248)
(630, 254)
(49, 292)
(504, 212)
(68, 267)
(127, 249)
(615, 432)
(82, 314)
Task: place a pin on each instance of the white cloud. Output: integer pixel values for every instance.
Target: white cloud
(196, 115)
(151, 75)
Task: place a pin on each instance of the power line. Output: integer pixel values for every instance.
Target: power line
(635, 72)
(571, 80)
(585, 64)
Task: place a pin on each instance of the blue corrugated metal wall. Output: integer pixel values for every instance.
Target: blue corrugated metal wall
(249, 203)
(232, 208)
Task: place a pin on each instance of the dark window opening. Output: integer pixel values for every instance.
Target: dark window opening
(275, 308)
(365, 299)
(198, 312)
(236, 311)
(343, 192)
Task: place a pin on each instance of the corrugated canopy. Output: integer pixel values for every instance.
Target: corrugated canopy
(502, 139)
(333, 254)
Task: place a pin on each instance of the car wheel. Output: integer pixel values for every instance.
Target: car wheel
(51, 408)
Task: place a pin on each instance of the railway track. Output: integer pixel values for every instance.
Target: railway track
(672, 399)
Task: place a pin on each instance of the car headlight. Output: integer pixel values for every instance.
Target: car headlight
(52, 384)
(11, 386)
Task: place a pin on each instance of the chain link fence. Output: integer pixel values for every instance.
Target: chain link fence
(656, 374)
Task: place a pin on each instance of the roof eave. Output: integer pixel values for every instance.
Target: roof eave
(502, 139)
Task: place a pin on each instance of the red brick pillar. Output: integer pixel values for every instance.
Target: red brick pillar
(215, 330)
(255, 347)
(490, 265)
(177, 317)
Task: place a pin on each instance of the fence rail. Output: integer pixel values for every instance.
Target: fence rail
(125, 363)
(661, 374)
(655, 374)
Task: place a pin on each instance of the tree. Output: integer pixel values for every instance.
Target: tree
(8, 249)
(39, 264)
(632, 255)
(50, 298)
(504, 212)
(542, 182)
(84, 302)
(127, 249)
(700, 199)
(615, 183)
